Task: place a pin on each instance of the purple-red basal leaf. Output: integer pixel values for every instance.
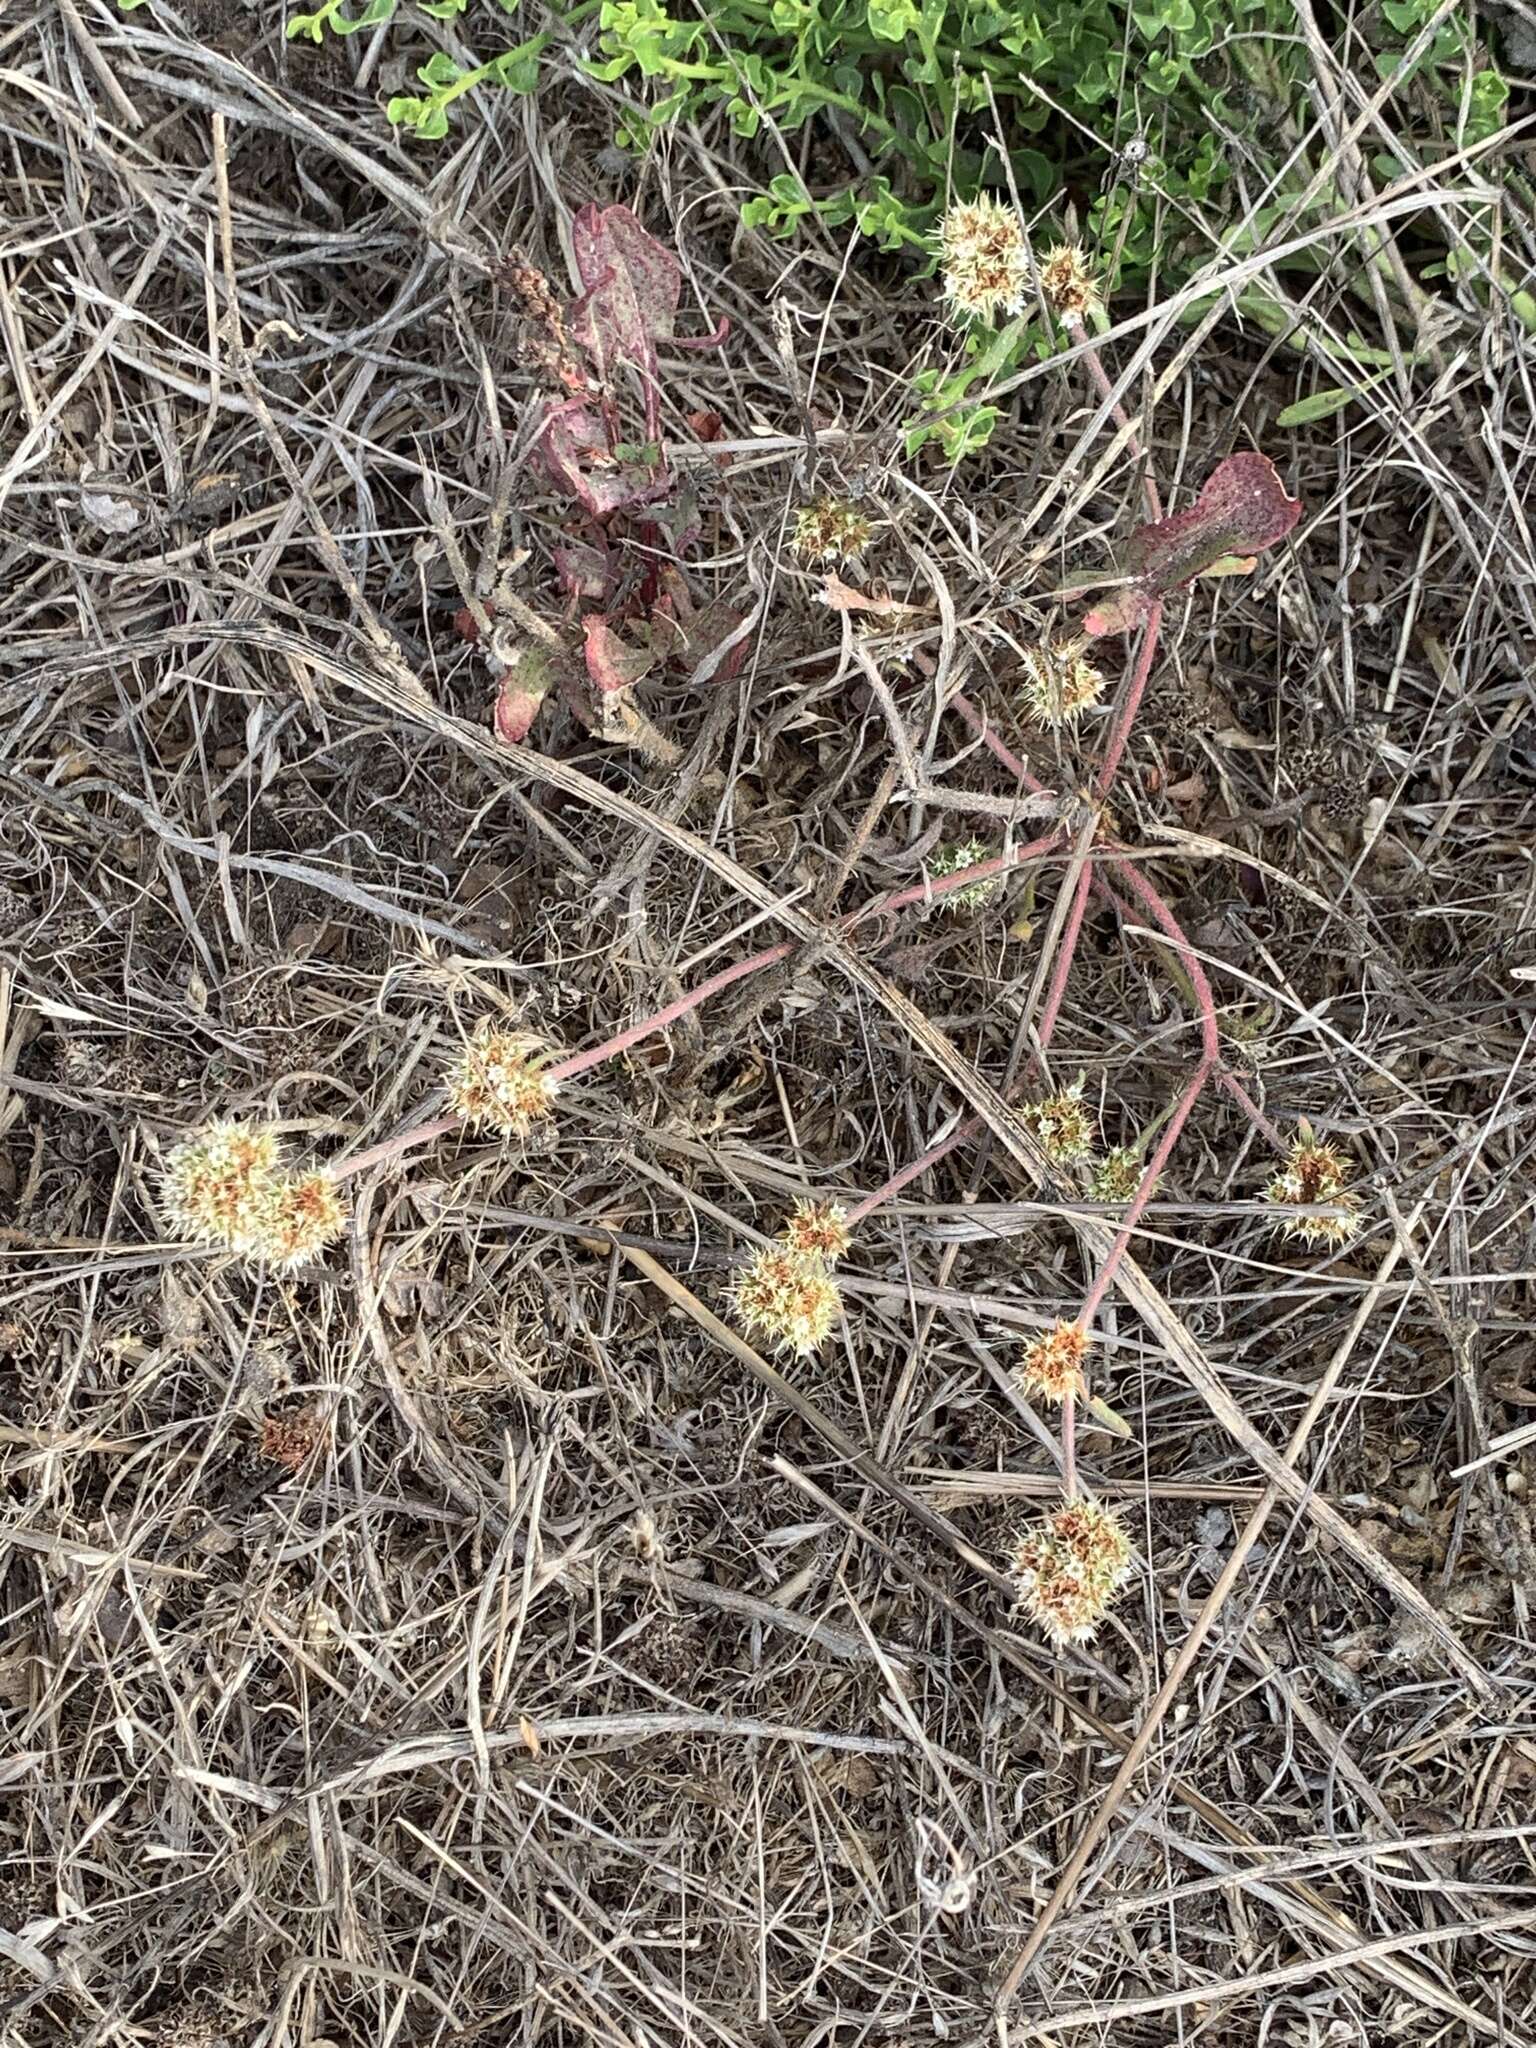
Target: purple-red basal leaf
(612, 663)
(583, 571)
(632, 287)
(524, 685)
(574, 449)
(1242, 507)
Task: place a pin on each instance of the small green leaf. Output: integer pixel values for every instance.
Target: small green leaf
(1322, 405)
(439, 69)
(1114, 1422)
(518, 69)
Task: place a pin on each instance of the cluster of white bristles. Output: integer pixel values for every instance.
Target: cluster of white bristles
(785, 1293)
(225, 1185)
(987, 269)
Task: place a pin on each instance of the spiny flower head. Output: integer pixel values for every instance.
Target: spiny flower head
(788, 1297)
(1063, 1124)
(952, 860)
(819, 1228)
(984, 259)
(297, 1218)
(1066, 282)
(496, 1083)
(1059, 684)
(829, 530)
(217, 1179)
(1315, 1171)
(1117, 1175)
(1052, 1367)
(1068, 1567)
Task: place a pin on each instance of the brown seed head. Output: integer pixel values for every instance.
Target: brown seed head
(297, 1218)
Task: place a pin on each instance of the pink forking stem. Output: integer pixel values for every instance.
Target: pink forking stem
(1125, 717)
(682, 1006)
(1199, 981)
(578, 1062)
(1065, 953)
(979, 723)
(914, 1170)
(673, 1012)
(1069, 1446)
(1160, 1157)
(973, 1125)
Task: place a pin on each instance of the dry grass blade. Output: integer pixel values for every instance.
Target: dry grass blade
(461, 1634)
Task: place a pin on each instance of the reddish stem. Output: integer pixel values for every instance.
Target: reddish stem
(1125, 717)
(1065, 953)
(1199, 981)
(391, 1148)
(577, 1062)
(1246, 1103)
(914, 1170)
(977, 720)
(1177, 937)
(1117, 412)
(972, 1125)
(963, 878)
(1160, 1157)
(671, 1013)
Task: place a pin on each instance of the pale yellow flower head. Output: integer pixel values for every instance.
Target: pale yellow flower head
(498, 1082)
(1052, 1367)
(1068, 1567)
(787, 1297)
(984, 260)
(1059, 684)
(1066, 282)
(217, 1179)
(819, 1228)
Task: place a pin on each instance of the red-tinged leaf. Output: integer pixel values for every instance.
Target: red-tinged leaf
(1121, 612)
(1242, 508)
(575, 451)
(464, 624)
(583, 571)
(707, 426)
(524, 686)
(632, 287)
(612, 663)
